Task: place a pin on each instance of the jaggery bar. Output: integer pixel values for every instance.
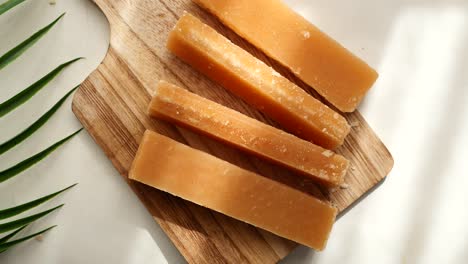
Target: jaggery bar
(178, 105)
(216, 184)
(237, 70)
(320, 61)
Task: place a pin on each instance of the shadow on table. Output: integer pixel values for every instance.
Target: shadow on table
(437, 156)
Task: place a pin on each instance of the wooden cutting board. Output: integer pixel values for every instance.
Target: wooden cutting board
(112, 104)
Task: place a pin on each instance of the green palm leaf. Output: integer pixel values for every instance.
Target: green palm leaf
(27, 163)
(24, 221)
(11, 55)
(29, 92)
(8, 237)
(10, 212)
(4, 147)
(9, 5)
(7, 245)
(10, 105)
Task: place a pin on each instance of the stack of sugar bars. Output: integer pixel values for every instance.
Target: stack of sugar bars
(318, 60)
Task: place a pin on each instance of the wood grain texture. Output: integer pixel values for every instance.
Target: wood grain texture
(112, 103)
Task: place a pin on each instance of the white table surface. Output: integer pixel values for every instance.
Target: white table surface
(419, 108)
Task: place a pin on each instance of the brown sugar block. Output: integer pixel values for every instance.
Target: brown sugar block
(213, 183)
(320, 61)
(258, 84)
(178, 105)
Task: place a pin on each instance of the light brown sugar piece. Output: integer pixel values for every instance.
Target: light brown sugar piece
(320, 61)
(255, 82)
(182, 107)
(198, 177)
